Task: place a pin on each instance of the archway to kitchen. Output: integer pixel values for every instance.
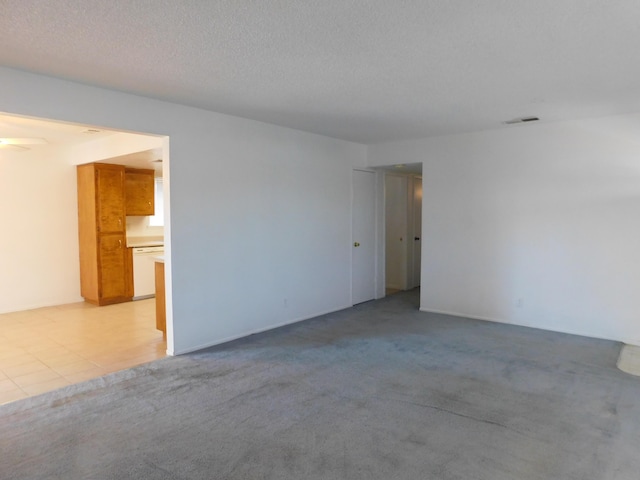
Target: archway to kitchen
(50, 336)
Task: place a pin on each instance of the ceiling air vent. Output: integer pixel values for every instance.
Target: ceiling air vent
(521, 120)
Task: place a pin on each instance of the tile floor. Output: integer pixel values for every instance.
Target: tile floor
(629, 359)
(47, 348)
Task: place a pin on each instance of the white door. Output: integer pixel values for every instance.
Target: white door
(398, 244)
(417, 232)
(363, 284)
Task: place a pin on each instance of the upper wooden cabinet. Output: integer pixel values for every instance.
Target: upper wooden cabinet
(138, 191)
(110, 199)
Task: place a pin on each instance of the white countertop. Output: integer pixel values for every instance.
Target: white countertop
(158, 259)
(150, 241)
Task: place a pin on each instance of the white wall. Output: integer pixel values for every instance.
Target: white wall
(139, 227)
(259, 214)
(39, 259)
(533, 225)
(39, 240)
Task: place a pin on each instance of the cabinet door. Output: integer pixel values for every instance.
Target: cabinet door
(139, 186)
(110, 193)
(113, 268)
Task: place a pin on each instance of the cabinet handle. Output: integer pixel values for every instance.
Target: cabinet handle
(120, 243)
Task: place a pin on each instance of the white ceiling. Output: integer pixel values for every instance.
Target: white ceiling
(363, 70)
(149, 159)
(53, 133)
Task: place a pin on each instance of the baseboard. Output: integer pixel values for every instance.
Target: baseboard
(253, 332)
(34, 306)
(463, 315)
(508, 322)
(143, 297)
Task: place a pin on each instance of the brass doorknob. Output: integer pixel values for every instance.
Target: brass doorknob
(356, 244)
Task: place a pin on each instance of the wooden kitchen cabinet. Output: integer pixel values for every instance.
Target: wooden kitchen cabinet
(139, 191)
(161, 313)
(105, 261)
(112, 261)
(128, 272)
(109, 196)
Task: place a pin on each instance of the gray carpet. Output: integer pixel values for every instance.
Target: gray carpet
(380, 391)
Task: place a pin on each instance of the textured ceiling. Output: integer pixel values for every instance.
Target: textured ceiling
(364, 70)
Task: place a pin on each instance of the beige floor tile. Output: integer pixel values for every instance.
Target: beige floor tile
(49, 347)
(13, 371)
(110, 358)
(45, 348)
(52, 353)
(17, 316)
(75, 306)
(54, 361)
(41, 376)
(12, 396)
(26, 340)
(47, 386)
(132, 362)
(89, 352)
(36, 321)
(77, 367)
(159, 349)
(7, 385)
(86, 375)
(17, 359)
(629, 359)
(9, 352)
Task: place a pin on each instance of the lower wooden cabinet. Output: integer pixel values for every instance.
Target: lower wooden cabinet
(114, 279)
(112, 259)
(128, 272)
(161, 313)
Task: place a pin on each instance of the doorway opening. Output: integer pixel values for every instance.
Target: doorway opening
(50, 336)
(402, 227)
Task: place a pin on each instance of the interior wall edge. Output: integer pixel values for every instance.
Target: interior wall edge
(231, 338)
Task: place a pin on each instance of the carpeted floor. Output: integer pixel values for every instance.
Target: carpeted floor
(380, 391)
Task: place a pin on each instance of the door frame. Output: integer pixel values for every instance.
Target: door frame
(412, 275)
(409, 233)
